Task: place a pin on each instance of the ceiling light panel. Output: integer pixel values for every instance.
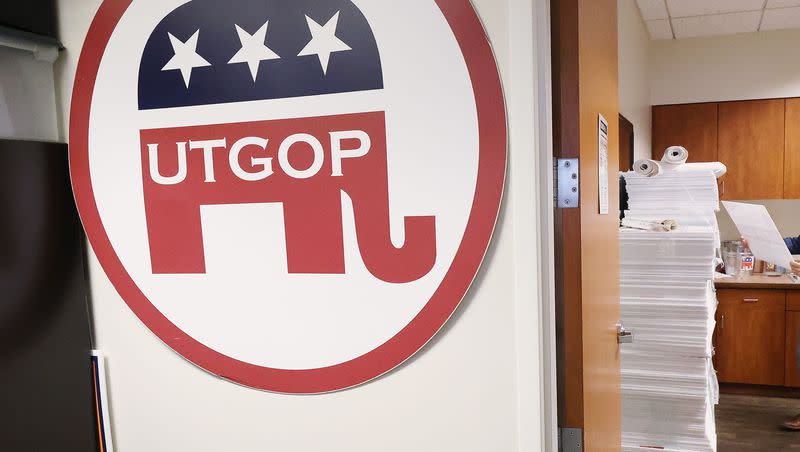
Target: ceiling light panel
(689, 8)
(720, 24)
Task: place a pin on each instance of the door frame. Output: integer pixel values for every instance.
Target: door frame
(530, 200)
(527, 73)
(531, 128)
(626, 125)
(546, 224)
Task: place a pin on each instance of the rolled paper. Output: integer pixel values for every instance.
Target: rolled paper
(675, 155)
(718, 168)
(647, 167)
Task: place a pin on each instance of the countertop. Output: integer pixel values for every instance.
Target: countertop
(757, 281)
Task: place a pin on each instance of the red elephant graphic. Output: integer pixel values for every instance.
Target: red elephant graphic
(304, 164)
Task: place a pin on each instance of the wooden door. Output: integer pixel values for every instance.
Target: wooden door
(750, 336)
(625, 144)
(751, 142)
(791, 157)
(585, 62)
(693, 126)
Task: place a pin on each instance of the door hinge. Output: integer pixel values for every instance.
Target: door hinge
(566, 178)
(570, 440)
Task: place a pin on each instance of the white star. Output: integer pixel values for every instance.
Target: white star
(323, 41)
(253, 50)
(186, 57)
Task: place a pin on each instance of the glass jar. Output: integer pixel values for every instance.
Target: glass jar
(731, 257)
(733, 262)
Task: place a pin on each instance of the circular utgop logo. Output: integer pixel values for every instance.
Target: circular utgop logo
(294, 195)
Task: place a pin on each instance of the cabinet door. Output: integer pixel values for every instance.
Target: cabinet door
(750, 336)
(792, 350)
(693, 126)
(751, 142)
(791, 158)
(792, 355)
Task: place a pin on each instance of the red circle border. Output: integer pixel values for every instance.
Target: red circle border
(482, 67)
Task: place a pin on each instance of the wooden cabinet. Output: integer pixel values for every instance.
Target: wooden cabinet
(757, 343)
(791, 157)
(751, 142)
(758, 140)
(793, 300)
(792, 355)
(750, 338)
(693, 126)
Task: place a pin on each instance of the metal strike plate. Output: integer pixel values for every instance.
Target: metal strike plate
(624, 336)
(570, 440)
(567, 188)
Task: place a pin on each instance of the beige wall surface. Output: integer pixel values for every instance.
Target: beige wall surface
(634, 80)
(734, 67)
(466, 391)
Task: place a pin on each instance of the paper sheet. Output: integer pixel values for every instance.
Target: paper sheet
(756, 226)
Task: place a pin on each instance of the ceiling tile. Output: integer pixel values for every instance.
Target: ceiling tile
(782, 3)
(687, 8)
(659, 29)
(778, 19)
(719, 24)
(653, 9)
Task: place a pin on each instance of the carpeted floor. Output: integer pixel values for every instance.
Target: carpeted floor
(747, 423)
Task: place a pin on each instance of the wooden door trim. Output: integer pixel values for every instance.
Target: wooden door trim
(626, 126)
(566, 144)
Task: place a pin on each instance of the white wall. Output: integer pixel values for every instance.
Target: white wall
(634, 80)
(475, 388)
(735, 67)
(27, 97)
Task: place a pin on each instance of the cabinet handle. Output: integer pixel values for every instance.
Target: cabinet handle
(723, 188)
(750, 300)
(722, 323)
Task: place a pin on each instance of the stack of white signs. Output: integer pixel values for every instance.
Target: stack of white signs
(669, 386)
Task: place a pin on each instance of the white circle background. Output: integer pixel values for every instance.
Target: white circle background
(247, 306)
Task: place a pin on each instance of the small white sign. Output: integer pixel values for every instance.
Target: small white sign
(602, 164)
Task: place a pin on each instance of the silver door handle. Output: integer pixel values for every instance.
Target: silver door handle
(624, 336)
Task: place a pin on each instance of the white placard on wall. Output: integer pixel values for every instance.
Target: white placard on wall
(602, 163)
